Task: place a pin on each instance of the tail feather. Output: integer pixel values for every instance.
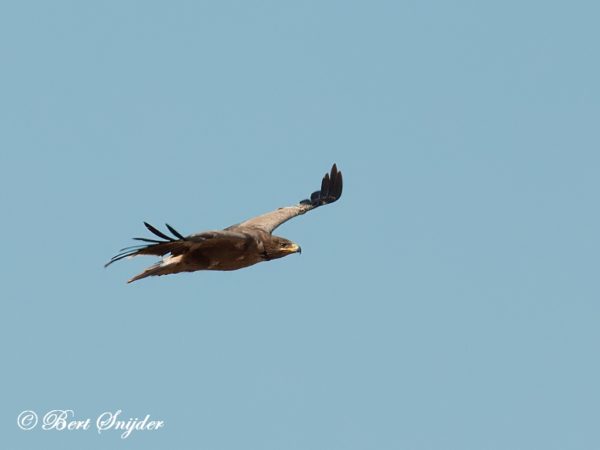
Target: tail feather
(168, 266)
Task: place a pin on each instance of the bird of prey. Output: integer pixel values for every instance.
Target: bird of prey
(235, 247)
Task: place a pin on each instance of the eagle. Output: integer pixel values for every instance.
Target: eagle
(235, 247)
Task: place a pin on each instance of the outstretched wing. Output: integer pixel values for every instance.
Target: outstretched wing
(179, 246)
(158, 247)
(331, 190)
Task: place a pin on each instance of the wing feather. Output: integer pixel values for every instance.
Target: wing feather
(172, 246)
(159, 233)
(175, 232)
(154, 246)
(331, 191)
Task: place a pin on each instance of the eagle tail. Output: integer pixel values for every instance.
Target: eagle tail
(169, 265)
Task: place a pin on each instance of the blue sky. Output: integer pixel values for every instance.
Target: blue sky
(449, 300)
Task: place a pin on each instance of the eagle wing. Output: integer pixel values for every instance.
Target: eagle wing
(331, 190)
(175, 246)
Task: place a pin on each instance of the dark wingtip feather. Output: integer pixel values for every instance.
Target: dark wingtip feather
(158, 232)
(153, 241)
(331, 189)
(325, 186)
(339, 185)
(333, 174)
(175, 232)
(150, 243)
(335, 191)
(119, 257)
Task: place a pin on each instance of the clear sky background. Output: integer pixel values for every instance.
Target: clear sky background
(449, 300)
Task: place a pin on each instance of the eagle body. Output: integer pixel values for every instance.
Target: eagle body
(220, 251)
(235, 247)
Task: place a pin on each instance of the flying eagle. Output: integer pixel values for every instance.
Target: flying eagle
(235, 247)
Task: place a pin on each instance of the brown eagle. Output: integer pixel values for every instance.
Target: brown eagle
(235, 247)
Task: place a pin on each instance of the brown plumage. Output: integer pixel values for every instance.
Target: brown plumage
(235, 247)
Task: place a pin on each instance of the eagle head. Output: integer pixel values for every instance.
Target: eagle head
(278, 247)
